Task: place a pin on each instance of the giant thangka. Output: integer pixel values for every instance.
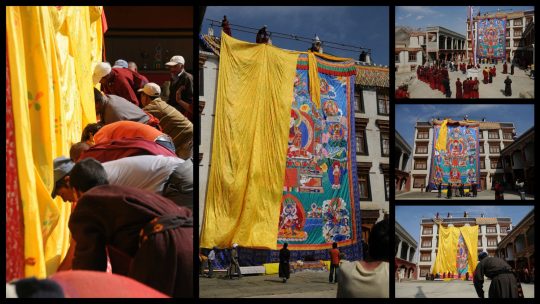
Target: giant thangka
(455, 153)
(491, 38)
(319, 204)
(282, 168)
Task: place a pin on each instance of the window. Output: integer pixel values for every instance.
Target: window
(494, 149)
(425, 257)
(386, 187)
(361, 145)
(480, 242)
(397, 58)
(420, 164)
(480, 134)
(419, 182)
(517, 42)
(385, 144)
(383, 102)
(428, 231)
(421, 149)
(482, 163)
(507, 135)
(426, 243)
(412, 56)
(491, 229)
(492, 242)
(495, 163)
(518, 22)
(358, 102)
(507, 43)
(507, 32)
(422, 135)
(517, 33)
(503, 229)
(482, 148)
(493, 134)
(363, 183)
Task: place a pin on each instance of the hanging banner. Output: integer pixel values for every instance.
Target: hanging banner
(491, 38)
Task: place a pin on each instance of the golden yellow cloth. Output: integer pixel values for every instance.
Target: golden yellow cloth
(253, 104)
(51, 53)
(448, 245)
(443, 134)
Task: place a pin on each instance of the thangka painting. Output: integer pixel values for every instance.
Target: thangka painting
(320, 196)
(459, 163)
(462, 264)
(491, 38)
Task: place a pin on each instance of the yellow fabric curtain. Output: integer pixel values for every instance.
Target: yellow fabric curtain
(253, 104)
(52, 51)
(443, 134)
(448, 246)
(470, 236)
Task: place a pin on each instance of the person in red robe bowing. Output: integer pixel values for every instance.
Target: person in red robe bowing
(459, 92)
(485, 72)
(505, 68)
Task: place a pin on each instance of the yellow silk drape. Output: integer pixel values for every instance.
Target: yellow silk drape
(448, 246)
(443, 134)
(253, 104)
(52, 51)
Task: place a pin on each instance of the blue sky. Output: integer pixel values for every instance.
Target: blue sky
(450, 17)
(360, 26)
(409, 216)
(521, 115)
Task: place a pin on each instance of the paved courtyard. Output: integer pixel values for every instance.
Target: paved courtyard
(306, 284)
(482, 195)
(448, 289)
(521, 83)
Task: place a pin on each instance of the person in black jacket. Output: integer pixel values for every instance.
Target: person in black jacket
(284, 268)
(503, 281)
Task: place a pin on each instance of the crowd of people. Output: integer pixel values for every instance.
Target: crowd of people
(130, 179)
(437, 77)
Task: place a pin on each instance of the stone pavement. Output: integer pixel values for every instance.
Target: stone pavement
(482, 195)
(448, 289)
(305, 284)
(521, 82)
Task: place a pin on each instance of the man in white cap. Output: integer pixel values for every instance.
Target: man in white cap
(120, 63)
(118, 81)
(181, 81)
(234, 267)
(173, 123)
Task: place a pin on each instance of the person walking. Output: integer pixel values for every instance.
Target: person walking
(499, 192)
(439, 189)
(211, 259)
(334, 263)
(449, 191)
(519, 186)
(234, 266)
(503, 281)
(508, 86)
(284, 268)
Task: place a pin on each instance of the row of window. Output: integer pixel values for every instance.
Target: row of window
(362, 147)
(423, 134)
(383, 102)
(489, 229)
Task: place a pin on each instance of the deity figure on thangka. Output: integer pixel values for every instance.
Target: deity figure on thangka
(292, 220)
(336, 220)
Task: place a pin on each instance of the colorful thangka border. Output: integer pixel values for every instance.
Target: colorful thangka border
(491, 38)
(320, 202)
(460, 162)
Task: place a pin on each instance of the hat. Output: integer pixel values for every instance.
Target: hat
(120, 63)
(62, 167)
(482, 255)
(101, 70)
(175, 60)
(151, 89)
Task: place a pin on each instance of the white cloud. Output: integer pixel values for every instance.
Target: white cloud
(408, 15)
(419, 17)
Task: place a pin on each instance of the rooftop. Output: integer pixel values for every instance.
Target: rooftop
(484, 125)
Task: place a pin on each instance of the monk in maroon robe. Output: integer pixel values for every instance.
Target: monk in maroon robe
(466, 88)
(485, 72)
(475, 88)
(494, 71)
(459, 91)
(505, 68)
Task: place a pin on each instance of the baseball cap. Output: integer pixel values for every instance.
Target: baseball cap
(101, 70)
(120, 63)
(151, 89)
(62, 167)
(175, 60)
